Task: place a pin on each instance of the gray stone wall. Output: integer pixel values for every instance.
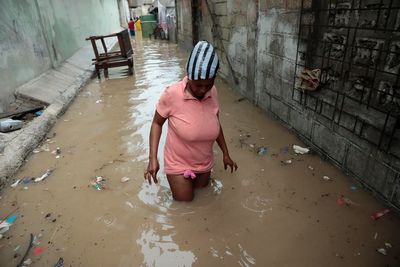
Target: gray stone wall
(260, 40)
(40, 34)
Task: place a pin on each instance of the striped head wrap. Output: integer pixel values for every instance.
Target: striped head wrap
(203, 62)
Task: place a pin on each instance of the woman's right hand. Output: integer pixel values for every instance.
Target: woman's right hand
(152, 168)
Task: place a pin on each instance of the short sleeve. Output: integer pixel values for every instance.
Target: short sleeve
(164, 104)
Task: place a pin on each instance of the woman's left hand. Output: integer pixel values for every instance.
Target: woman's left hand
(229, 162)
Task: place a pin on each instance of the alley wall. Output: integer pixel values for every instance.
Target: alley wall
(262, 55)
(40, 34)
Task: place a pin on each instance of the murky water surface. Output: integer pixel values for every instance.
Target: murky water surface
(266, 214)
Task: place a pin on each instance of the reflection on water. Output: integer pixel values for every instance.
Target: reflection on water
(161, 251)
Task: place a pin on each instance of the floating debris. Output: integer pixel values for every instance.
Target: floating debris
(345, 200)
(353, 188)
(27, 262)
(37, 251)
(388, 245)
(379, 214)
(326, 178)
(99, 183)
(129, 204)
(59, 263)
(16, 183)
(44, 176)
(382, 251)
(262, 150)
(286, 162)
(99, 101)
(125, 179)
(300, 150)
(310, 168)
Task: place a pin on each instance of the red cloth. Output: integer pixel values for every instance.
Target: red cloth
(131, 25)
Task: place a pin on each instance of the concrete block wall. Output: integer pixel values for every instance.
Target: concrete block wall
(259, 38)
(39, 34)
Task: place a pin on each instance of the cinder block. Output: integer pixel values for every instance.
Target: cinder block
(273, 86)
(294, 4)
(301, 122)
(224, 21)
(280, 109)
(331, 143)
(266, 5)
(356, 161)
(220, 9)
(278, 21)
(264, 100)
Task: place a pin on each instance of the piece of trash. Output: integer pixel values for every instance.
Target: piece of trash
(59, 263)
(376, 236)
(27, 180)
(28, 262)
(382, 251)
(57, 151)
(310, 168)
(388, 245)
(8, 125)
(1, 236)
(26, 188)
(129, 204)
(44, 176)
(58, 156)
(262, 150)
(300, 150)
(99, 101)
(4, 227)
(262, 170)
(310, 79)
(17, 247)
(286, 162)
(326, 178)
(125, 179)
(45, 148)
(36, 151)
(99, 183)
(36, 241)
(37, 250)
(38, 113)
(344, 200)
(16, 183)
(252, 145)
(11, 219)
(353, 188)
(377, 215)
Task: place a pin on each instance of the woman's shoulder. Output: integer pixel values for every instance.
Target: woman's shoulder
(174, 90)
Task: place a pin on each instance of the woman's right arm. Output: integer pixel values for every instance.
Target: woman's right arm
(155, 134)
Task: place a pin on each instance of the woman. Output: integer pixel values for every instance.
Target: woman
(191, 107)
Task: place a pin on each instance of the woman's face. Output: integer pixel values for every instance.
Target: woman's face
(200, 87)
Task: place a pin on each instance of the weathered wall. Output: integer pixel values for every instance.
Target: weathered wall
(184, 18)
(39, 34)
(260, 39)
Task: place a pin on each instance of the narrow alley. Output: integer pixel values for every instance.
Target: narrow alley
(278, 209)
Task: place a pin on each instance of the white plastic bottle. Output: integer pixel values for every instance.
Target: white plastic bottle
(8, 125)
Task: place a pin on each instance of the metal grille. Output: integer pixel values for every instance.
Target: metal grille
(356, 46)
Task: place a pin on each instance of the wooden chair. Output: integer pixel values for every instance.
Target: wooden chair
(121, 57)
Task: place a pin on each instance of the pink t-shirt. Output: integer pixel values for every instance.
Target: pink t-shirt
(193, 127)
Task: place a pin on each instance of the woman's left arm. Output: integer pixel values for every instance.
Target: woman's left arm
(226, 158)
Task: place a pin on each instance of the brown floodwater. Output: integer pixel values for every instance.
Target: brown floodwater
(265, 214)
